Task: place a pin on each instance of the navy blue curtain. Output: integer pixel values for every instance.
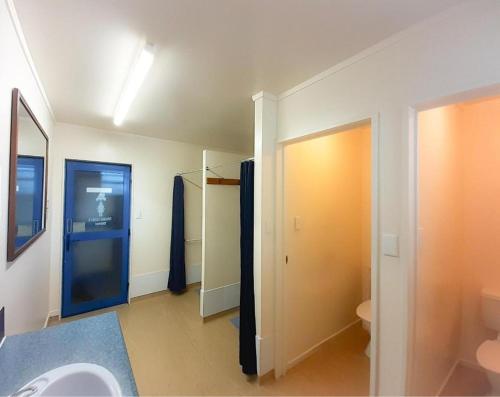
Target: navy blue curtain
(248, 355)
(177, 274)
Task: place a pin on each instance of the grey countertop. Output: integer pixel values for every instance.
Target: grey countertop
(96, 340)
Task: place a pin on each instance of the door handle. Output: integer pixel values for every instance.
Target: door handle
(69, 224)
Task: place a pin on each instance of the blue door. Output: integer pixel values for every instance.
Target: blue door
(96, 236)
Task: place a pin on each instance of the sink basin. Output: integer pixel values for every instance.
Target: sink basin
(72, 380)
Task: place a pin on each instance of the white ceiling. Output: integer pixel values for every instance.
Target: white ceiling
(212, 56)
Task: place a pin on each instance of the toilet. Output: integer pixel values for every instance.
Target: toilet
(488, 353)
(364, 312)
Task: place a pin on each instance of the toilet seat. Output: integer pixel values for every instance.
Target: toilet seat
(364, 311)
(488, 355)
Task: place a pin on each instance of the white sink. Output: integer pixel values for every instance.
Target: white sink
(72, 380)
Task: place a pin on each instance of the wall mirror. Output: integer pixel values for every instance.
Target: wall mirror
(27, 178)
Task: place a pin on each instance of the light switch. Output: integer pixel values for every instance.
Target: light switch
(390, 245)
(138, 214)
(298, 223)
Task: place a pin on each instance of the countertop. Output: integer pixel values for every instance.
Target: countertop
(96, 340)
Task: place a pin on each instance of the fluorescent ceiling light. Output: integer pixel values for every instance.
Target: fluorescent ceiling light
(134, 81)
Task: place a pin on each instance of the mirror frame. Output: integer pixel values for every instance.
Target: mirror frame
(12, 253)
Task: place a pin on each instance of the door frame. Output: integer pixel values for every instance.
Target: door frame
(127, 217)
(412, 213)
(280, 326)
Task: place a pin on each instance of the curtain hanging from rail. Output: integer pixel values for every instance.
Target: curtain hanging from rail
(177, 274)
(248, 357)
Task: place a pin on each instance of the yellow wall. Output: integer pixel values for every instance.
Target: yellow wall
(327, 185)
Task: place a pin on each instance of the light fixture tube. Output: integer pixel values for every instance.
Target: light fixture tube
(134, 81)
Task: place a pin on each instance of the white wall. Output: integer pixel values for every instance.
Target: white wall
(24, 283)
(446, 55)
(220, 285)
(154, 165)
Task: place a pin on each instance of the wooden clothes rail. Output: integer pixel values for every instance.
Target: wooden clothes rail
(223, 181)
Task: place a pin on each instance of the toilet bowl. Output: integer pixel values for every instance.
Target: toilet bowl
(364, 312)
(488, 353)
(488, 357)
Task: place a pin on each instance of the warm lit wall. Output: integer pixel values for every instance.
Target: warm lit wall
(24, 283)
(460, 223)
(481, 125)
(220, 285)
(154, 165)
(439, 270)
(325, 225)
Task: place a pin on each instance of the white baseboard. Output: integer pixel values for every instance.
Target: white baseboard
(265, 356)
(447, 377)
(46, 321)
(193, 274)
(219, 299)
(54, 313)
(470, 364)
(312, 349)
(148, 283)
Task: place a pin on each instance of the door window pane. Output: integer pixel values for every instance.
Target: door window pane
(98, 201)
(97, 270)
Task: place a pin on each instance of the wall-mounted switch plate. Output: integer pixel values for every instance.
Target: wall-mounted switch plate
(298, 223)
(390, 245)
(138, 214)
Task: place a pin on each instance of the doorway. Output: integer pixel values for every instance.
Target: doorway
(96, 236)
(329, 230)
(455, 276)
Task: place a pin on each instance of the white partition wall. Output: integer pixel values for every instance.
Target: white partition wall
(220, 284)
(265, 226)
